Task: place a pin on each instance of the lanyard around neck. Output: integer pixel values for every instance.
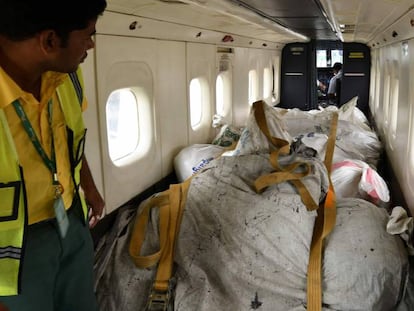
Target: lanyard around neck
(49, 162)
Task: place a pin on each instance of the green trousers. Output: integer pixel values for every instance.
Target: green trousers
(57, 273)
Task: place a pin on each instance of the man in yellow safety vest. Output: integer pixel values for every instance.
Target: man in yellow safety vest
(46, 250)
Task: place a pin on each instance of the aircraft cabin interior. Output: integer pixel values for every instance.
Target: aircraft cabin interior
(226, 102)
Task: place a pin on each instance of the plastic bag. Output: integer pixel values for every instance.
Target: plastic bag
(227, 136)
(353, 178)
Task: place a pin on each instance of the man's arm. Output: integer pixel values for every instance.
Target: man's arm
(92, 196)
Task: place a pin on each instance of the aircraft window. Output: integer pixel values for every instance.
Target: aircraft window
(252, 86)
(122, 123)
(377, 85)
(325, 58)
(372, 86)
(405, 48)
(219, 95)
(411, 145)
(336, 56)
(386, 97)
(394, 109)
(394, 102)
(276, 77)
(321, 58)
(196, 102)
(267, 82)
(223, 93)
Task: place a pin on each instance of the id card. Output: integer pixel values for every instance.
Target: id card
(61, 216)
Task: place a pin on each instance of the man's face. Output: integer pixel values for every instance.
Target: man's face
(75, 50)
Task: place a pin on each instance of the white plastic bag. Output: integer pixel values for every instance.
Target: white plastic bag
(354, 178)
(373, 184)
(228, 136)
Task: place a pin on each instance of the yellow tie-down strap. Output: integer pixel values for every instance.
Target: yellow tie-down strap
(324, 224)
(171, 205)
(326, 211)
(293, 172)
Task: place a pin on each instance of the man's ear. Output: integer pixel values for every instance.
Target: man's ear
(49, 41)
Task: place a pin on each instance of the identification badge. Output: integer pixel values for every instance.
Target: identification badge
(61, 216)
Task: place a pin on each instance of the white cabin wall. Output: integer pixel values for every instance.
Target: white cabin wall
(240, 86)
(246, 59)
(171, 96)
(93, 145)
(408, 166)
(276, 61)
(392, 80)
(133, 65)
(261, 59)
(163, 69)
(201, 63)
(404, 102)
(393, 49)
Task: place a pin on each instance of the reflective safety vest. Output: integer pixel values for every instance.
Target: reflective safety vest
(13, 201)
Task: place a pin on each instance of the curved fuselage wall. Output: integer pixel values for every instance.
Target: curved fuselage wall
(159, 71)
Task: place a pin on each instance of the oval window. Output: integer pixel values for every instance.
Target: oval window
(122, 122)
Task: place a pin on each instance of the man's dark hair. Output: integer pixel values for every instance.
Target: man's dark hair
(22, 19)
(337, 66)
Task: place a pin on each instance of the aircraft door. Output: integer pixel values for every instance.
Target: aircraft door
(356, 74)
(295, 80)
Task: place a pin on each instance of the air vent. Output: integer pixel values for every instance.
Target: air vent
(224, 50)
(347, 28)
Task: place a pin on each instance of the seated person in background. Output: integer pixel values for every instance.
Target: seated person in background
(337, 70)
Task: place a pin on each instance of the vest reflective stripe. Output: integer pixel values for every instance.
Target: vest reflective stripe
(12, 190)
(12, 222)
(77, 84)
(10, 252)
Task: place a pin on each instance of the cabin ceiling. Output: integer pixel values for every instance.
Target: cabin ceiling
(362, 20)
(306, 17)
(279, 21)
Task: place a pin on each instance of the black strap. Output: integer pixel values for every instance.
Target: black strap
(77, 86)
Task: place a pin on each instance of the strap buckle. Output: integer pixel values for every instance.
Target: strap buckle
(158, 301)
(161, 300)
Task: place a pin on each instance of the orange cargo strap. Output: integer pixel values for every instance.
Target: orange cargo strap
(325, 220)
(324, 223)
(293, 172)
(171, 205)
